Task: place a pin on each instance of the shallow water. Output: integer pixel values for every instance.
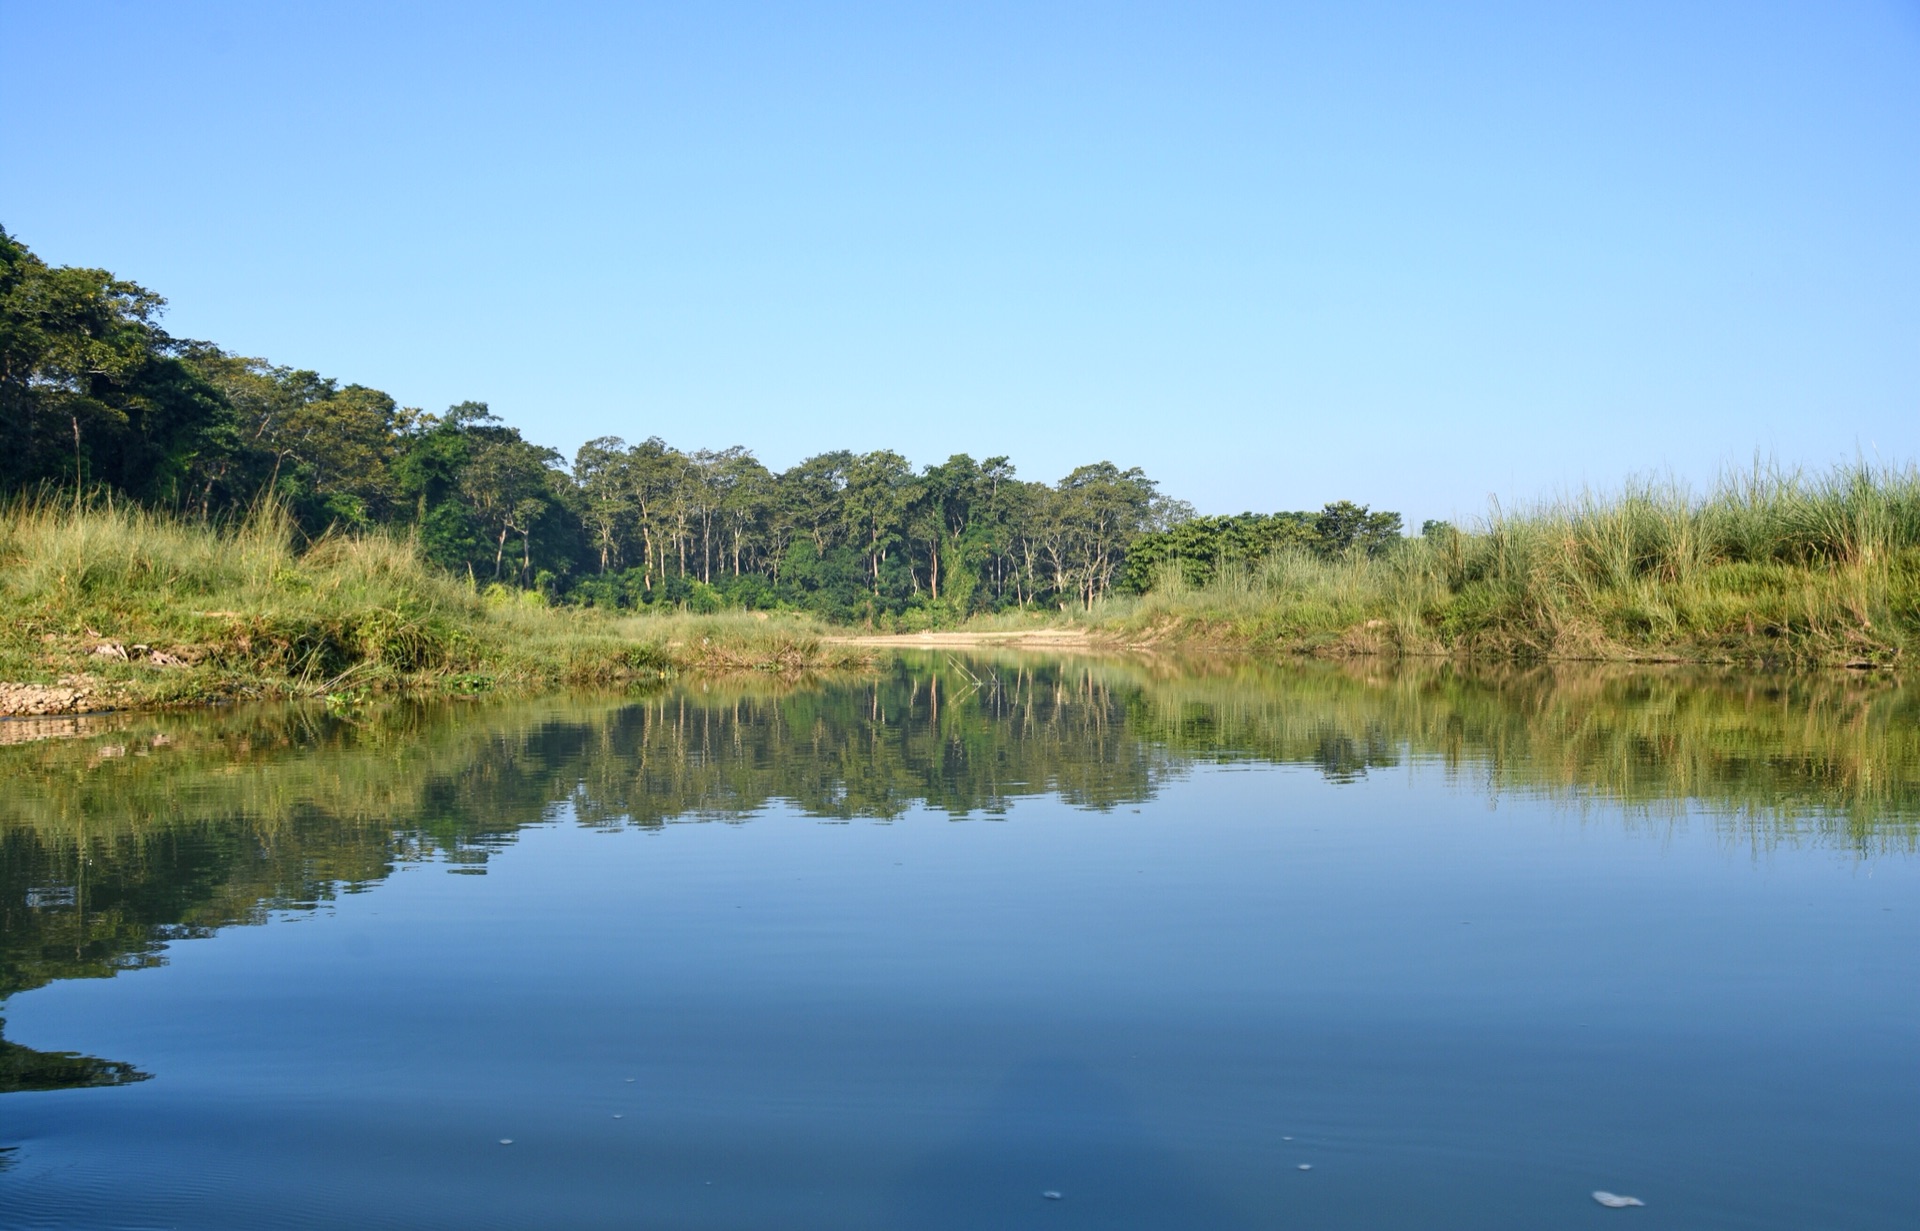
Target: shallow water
(913, 952)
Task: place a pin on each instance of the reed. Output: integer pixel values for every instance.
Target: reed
(132, 607)
(1768, 567)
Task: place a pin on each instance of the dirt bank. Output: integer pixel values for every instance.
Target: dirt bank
(1056, 639)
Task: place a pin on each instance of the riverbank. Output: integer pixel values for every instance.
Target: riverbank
(111, 607)
(1767, 617)
(1768, 570)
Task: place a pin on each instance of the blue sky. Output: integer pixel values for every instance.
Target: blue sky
(1414, 255)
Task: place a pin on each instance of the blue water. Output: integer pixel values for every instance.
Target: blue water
(1457, 1008)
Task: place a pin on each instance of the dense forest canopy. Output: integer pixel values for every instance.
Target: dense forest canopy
(96, 396)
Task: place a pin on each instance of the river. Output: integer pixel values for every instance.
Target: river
(975, 942)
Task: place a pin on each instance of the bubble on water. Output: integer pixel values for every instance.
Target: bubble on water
(1615, 1202)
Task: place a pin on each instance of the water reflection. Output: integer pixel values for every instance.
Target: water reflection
(119, 837)
(22, 1068)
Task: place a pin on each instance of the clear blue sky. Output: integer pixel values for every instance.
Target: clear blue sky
(1409, 254)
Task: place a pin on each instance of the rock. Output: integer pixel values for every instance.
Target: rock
(1615, 1202)
(33, 699)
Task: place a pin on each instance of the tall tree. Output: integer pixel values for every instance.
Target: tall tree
(879, 488)
(602, 469)
(94, 391)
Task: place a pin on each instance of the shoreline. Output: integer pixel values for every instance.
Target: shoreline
(621, 661)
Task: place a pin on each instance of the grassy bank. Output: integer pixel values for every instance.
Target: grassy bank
(1766, 569)
(110, 606)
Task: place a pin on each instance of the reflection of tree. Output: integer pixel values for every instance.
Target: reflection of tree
(157, 828)
(22, 1069)
(1346, 756)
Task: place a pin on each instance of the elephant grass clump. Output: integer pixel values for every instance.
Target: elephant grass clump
(1768, 568)
(113, 605)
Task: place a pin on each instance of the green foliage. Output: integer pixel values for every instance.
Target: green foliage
(97, 397)
(94, 392)
(1195, 551)
(1768, 567)
(849, 536)
(151, 607)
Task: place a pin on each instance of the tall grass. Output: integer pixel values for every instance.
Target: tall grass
(148, 608)
(1767, 566)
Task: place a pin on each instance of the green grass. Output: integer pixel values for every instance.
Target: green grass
(1768, 568)
(203, 613)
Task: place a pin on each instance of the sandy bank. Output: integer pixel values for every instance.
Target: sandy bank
(1066, 639)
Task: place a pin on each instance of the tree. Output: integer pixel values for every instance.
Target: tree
(1102, 509)
(879, 488)
(325, 451)
(93, 391)
(602, 469)
(746, 506)
(1344, 528)
(479, 490)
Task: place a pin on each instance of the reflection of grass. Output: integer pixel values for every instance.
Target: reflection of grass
(188, 613)
(965, 733)
(1767, 568)
(1786, 757)
(157, 825)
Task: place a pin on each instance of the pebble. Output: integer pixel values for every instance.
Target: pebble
(1615, 1202)
(506, 1141)
(1051, 1195)
(1306, 1166)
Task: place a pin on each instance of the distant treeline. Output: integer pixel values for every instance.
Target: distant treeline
(95, 395)
(1202, 547)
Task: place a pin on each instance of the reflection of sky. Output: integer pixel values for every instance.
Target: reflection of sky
(929, 1023)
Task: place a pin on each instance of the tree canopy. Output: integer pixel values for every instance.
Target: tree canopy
(96, 396)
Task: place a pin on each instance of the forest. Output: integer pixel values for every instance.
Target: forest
(96, 397)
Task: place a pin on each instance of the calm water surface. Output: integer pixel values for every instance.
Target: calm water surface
(1320, 947)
